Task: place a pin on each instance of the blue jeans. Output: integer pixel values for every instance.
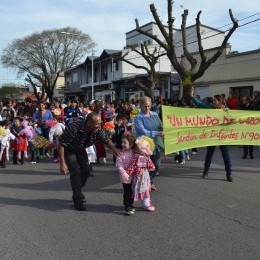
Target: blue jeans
(184, 154)
(226, 158)
(156, 159)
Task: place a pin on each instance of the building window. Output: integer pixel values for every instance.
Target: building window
(75, 77)
(104, 72)
(116, 65)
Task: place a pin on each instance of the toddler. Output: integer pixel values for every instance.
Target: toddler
(139, 167)
(122, 163)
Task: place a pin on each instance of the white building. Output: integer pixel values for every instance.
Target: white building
(113, 78)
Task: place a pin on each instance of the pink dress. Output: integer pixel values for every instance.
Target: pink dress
(122, 164)
(140, 167)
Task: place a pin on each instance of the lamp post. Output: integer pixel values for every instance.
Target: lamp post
(92, 63)
(92, 76)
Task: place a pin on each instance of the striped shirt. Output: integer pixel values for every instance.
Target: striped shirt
(77, 138)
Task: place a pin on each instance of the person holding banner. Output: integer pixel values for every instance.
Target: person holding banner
(246, 105)
(217, 103)
(148, 123)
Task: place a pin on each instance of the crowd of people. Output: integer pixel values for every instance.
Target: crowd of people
(74, 134)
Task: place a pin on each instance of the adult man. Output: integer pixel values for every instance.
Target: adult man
(73, 157)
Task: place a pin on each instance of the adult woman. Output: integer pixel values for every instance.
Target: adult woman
(148, 123)
(246, 105)
(59, 110)
(42, 118)
(217, 103)
(232, 101)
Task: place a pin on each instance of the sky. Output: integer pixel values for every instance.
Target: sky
(107, 21)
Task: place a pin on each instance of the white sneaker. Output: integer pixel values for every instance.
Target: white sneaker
(104, 160)
(33, 162)
(182, 162)
(193, 152)
(187, 157)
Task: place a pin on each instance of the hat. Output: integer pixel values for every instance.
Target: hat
(56, 112)
(145, 144)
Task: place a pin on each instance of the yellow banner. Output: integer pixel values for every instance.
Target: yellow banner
(196, 127)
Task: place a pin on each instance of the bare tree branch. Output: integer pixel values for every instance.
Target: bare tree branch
(189, 57)
(43, 55)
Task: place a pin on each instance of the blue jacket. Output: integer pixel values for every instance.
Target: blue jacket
(149, 126)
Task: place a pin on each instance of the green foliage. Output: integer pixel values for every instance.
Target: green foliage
(8, 92)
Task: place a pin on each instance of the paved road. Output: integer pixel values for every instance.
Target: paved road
(194, 218)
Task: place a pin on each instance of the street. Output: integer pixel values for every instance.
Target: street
(195, 218)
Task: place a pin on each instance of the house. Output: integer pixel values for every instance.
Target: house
(108, 77)
(236, 72)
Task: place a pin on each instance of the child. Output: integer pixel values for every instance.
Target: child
(92, 158)
(122, 163)
(139, 167)
(54, 135)
(5, 137)
(19, 144)
(118, 133)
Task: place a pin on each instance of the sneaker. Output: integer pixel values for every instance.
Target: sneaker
(187, 157)
(129, 211)
(150, 208)
(230, 178)
(2, 165)
(48, 155)
(251, 156)
(182, 162)
(32, 162)
(104, 160)
(80, 207)
(193, 152)
(205, 174)
(21, 161)
(157, 174)
(133, 208)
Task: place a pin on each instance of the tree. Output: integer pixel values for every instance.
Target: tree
(9, 92)
(43, 56)
(192, 69)
(150, 83)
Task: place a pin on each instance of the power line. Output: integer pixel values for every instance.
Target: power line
(223, 26)
(161, 51)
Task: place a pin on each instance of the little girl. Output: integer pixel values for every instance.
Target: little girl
(122, 163)
(139, 167)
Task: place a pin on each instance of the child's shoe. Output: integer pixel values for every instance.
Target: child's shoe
(129, 211)
(150, 208)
